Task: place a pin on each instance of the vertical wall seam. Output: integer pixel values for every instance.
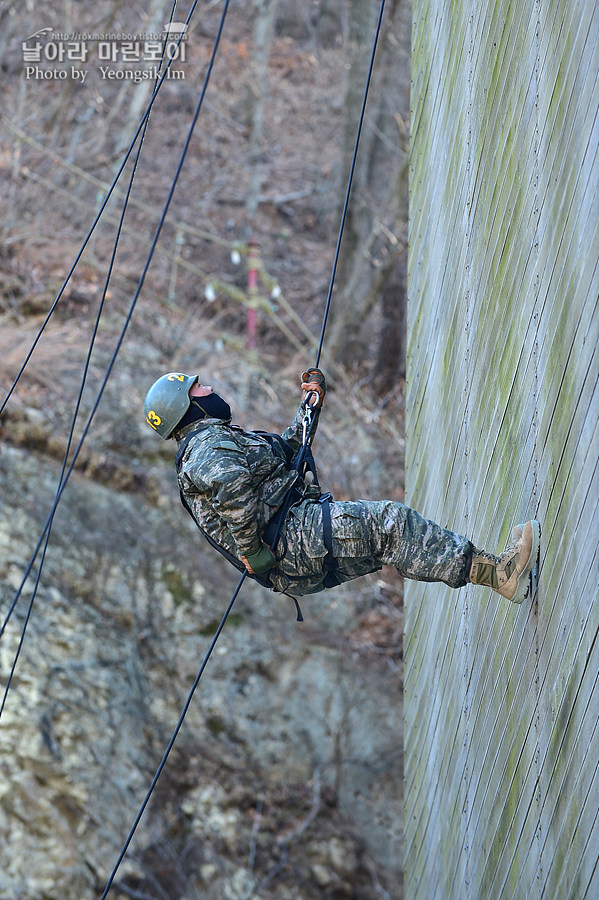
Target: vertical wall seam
(535, 425)
(466, 843)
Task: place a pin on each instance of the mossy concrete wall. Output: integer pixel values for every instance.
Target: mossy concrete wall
(502, 702)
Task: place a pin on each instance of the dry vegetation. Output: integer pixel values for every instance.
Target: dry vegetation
(62, 143)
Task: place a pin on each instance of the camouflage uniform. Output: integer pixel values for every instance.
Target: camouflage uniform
(234, 482)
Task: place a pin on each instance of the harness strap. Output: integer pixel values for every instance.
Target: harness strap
(228, 556)
(330, 563)
(274, 529)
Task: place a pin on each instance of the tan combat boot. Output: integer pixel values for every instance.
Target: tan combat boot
(508, 574)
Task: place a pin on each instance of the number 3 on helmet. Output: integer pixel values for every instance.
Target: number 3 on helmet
(167, 401)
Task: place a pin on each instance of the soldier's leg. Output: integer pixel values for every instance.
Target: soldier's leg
(370, 533)
(366, 534)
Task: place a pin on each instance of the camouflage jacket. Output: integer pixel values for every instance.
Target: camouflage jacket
(234, 481)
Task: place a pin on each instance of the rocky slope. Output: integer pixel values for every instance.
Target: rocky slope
(285, 780)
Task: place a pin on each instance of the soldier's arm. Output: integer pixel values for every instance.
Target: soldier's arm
(225, 481)
(314, 390)
(295, 432)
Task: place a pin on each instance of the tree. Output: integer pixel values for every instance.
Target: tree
(372, 267)
(322, 21)
(263, 33)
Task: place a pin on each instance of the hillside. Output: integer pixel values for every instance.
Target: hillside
(286, 779)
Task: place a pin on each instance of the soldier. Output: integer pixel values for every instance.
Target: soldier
(245, 492)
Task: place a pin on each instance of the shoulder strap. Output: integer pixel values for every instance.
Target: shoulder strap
(330, 563)
(183, 447)
(303, 464)
(223, 552)
(278, 443)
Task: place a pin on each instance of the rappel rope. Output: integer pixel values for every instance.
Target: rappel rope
(309, 419)
(140, 128)
(174, 736)
(309, 422)
(129, 316)
(349, 182)
(80, 395)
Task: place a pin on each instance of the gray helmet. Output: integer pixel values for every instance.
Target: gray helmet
(167, 401)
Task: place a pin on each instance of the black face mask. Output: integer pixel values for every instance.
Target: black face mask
(211, 407)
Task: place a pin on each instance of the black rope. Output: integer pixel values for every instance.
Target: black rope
(66, 475)
(299, 462)
(141, 127)
(349, 182)
(81, 389)
(127, 320)
(173, 738)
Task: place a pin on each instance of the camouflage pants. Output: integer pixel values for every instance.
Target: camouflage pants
(367, 534)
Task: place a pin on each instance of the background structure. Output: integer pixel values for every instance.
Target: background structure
(501, 425)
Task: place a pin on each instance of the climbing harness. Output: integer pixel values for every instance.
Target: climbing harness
(304, 465)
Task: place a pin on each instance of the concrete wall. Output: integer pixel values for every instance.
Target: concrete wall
(502, 702)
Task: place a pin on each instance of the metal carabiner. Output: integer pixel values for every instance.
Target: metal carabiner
(307, 420)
